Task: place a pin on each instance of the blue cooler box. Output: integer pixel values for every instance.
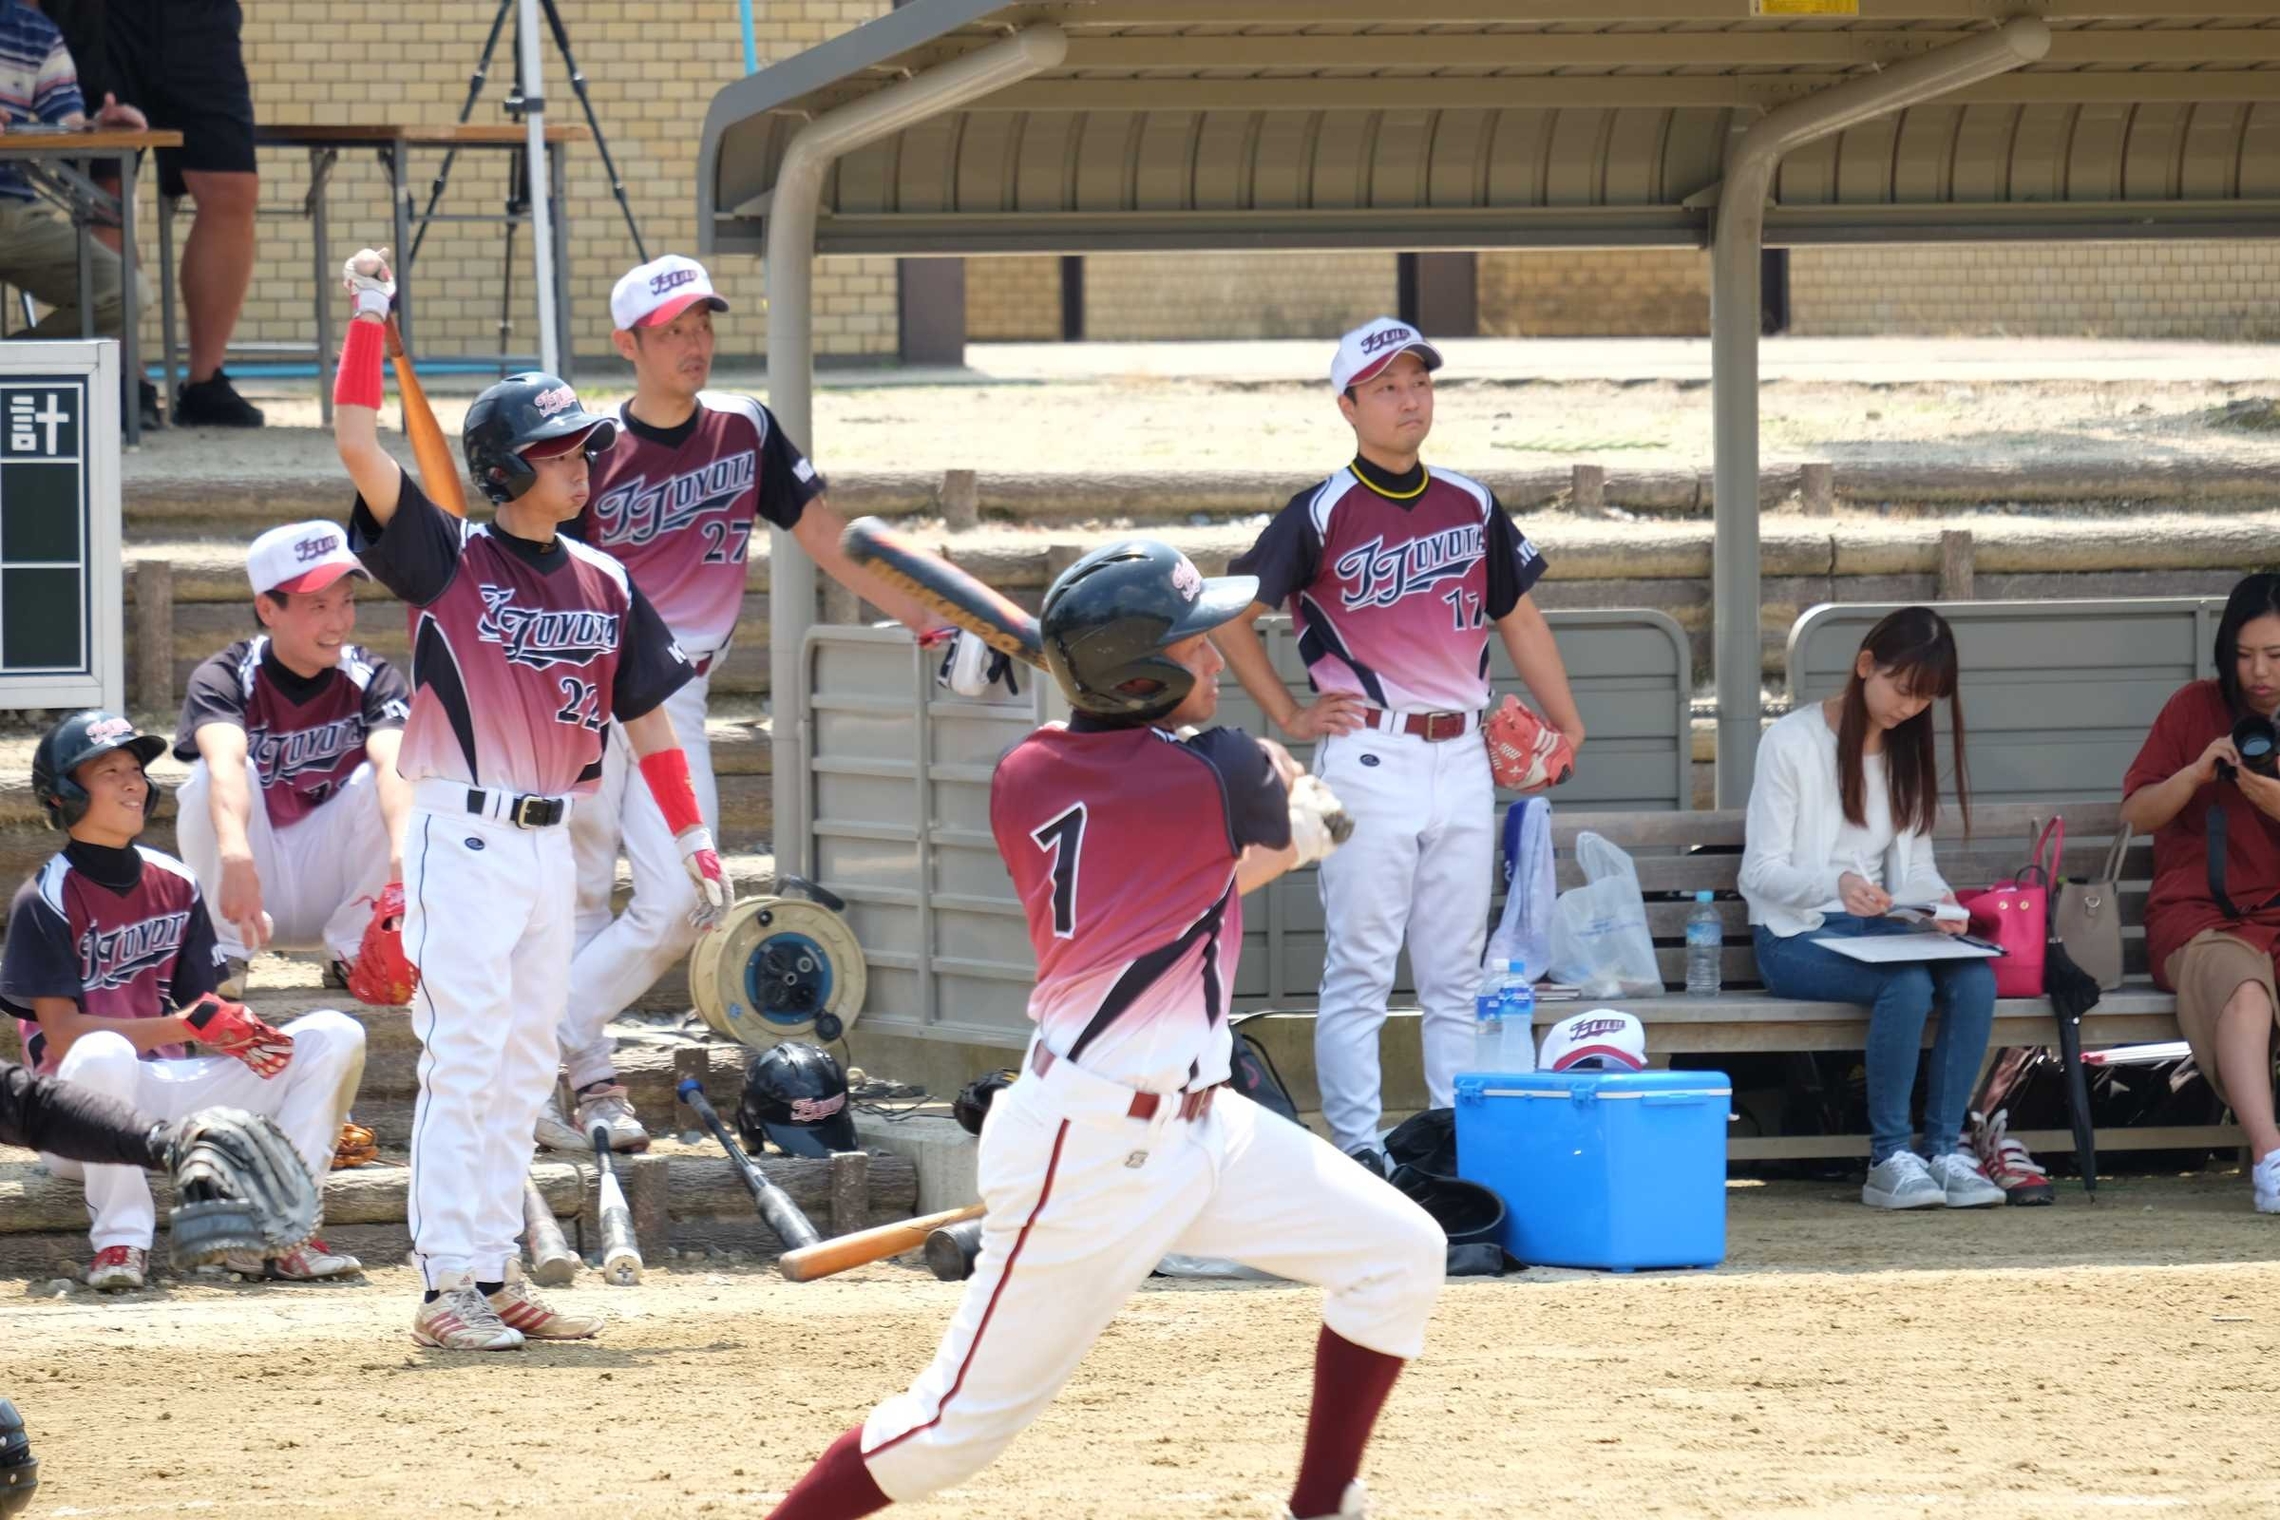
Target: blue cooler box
(1601, 1168)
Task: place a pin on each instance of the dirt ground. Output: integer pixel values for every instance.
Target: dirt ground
(2051, 1362)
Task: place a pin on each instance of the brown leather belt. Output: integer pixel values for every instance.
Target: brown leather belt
(1433, 728)
(1193, 1105)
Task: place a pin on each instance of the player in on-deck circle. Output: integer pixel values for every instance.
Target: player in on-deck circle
(293, 815)
(525, 646)
(1131, 840)
(111, 969)
(1394, 574)
(693, 474)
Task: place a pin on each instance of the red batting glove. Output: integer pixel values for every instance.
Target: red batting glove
(232, 1029)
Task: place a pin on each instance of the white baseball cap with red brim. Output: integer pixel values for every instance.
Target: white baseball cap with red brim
(660, 290)
(1375, 344)
(302, 556)
(1604, 1039)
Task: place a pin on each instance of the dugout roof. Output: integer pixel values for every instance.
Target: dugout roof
(1511, 123)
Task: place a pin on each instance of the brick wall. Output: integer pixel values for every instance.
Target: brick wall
(1014, 299)
(1646, 292)
(651, 71)
(1140, 296)
(2226, 290)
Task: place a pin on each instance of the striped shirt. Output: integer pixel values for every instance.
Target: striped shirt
(37, 80)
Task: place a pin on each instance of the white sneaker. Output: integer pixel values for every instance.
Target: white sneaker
(308, 1262)
(460, 1318)
(1354, 1505)
(1902, 1181)
(554, 1129)
(2266, 1178)
(605, 1103)
(1963, 1184)
(520, 1309)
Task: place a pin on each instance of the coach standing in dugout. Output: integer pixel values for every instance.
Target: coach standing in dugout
(1393, 574)
(692, 475)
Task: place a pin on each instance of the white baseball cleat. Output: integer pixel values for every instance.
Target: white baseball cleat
(118, 1269)
(1353, 1505)
(520, 1309)
(309, 1262)
(606, 1104)
(460, 1318)
(554, 1130)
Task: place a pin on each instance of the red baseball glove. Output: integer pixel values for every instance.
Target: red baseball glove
(1526, 753)
(232, 1029)
(382, 976)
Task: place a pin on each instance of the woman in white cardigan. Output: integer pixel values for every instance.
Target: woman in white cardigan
(1840, 828)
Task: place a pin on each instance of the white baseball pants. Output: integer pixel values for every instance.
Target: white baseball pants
(308, 1099)
(487, 922)
(1423, 846)
(1084, 1201)
(320, 875)
(618, 959)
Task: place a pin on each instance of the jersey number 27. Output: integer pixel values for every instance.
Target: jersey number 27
(1061, 839)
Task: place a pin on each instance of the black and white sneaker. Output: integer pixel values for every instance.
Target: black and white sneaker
(214, 402)
(1372, 1159)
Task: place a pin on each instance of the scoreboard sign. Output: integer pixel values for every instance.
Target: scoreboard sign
(60, 574)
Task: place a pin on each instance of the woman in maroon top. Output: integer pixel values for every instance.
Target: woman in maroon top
(2212, 944)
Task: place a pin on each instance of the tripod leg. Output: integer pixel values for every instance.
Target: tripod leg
(593, 123)
(466, 109)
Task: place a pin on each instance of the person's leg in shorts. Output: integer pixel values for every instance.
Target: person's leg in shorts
(2227, 1009)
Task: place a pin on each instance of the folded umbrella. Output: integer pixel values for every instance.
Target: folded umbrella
(2073, 992)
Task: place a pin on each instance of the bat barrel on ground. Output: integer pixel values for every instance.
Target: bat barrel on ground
(841, 1252)
(944, 589)
(552, 1262)
(783, 1216)
(621, 1258)
(439, 470)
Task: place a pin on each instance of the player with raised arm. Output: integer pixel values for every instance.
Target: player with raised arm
(526, 645)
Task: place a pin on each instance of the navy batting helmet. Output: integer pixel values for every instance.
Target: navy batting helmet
(82, 737)
(796, 1095)
(515, 415)
(1109, 617)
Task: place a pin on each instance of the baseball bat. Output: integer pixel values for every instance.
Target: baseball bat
(880, 1241)
(776, 1207)
(621, 1258)
(552, 1262)
(439, 471)
(944, 589)
(951, 1251)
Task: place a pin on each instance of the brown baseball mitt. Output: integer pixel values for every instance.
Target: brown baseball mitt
(355, 1147)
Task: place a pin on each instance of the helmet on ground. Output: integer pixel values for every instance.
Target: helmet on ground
(522, 413)
(79, 738)
(1108, 618)
(796, 1095)
(1467, 1212)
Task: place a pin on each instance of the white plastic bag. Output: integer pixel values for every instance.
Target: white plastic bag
(1599, 930)
(1524, 933)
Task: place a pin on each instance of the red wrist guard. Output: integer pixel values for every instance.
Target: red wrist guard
(667, 773)
(357, 381)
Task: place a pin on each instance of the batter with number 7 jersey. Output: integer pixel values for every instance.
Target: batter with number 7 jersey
(1131, 841)
(525, 646)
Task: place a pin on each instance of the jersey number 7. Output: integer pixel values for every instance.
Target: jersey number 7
(1062, 838)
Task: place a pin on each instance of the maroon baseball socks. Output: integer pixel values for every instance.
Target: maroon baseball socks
(1350, 1386)
(838, 1487)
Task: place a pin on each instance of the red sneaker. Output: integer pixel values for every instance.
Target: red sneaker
(118, 1269)
(2006, 1162)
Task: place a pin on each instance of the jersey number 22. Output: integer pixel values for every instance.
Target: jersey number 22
(1061, 839)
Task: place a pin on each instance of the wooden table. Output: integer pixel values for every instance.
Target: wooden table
(50, 161)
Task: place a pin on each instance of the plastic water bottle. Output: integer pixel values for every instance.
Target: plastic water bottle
(1705, 939)
(1488, 1025)
(1516, 996)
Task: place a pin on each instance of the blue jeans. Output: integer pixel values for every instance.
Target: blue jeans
(1898, 999)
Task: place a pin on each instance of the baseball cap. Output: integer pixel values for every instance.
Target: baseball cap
(661, 290)
(302, 556)
(1604, 1039)
(1375, 344)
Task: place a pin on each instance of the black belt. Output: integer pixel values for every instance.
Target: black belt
(527, 812)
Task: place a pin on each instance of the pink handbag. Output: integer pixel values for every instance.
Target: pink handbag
(2015, 915)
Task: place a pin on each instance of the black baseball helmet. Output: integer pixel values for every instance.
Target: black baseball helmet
(82, 737)
(1108, 618)
(517, 413)
(796, 1095)
(1467, 1212)
(19, 1469)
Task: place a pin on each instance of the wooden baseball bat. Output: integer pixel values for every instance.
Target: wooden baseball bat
(952, 1250)
(439, 470)
(552, 1262)
(792, 1226)
(944, 589)
(880, 1241)
(621, 1258)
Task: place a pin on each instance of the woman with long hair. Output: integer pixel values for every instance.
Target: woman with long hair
(2212, 925)
(1840, 825)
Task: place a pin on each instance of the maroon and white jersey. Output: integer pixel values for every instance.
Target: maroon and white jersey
(1123, 843)
(304, 734)
(676, 507)
(122, 933)
(521, 654)
(1392, 583)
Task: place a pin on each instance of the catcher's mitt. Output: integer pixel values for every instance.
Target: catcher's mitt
(239, 1186)
(1526, 753)
(382, 977)
(972, 1105)
(355, 1147)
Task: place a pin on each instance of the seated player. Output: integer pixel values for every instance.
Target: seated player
(293, 816)
(1131, 845)
(111, 968)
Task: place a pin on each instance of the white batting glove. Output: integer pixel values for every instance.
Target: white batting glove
(1318, 820)
(708, 876)
(370, 283)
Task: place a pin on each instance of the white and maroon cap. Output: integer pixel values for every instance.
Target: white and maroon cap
(1373, 345)
(1605, 1039)
(659, 291)
(302, 556)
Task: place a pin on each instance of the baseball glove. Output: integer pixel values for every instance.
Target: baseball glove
(239, 1186)
(382, 977)
(1319, 822)
(356, 1146)
(1525, 753)
(232, 1029)
(972, 1105)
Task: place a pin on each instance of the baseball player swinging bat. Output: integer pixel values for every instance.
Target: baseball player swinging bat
(944, 589)
(439, 471)
(552, 1262)
(776, 1207)
(621, 1258)
(842, 1252)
